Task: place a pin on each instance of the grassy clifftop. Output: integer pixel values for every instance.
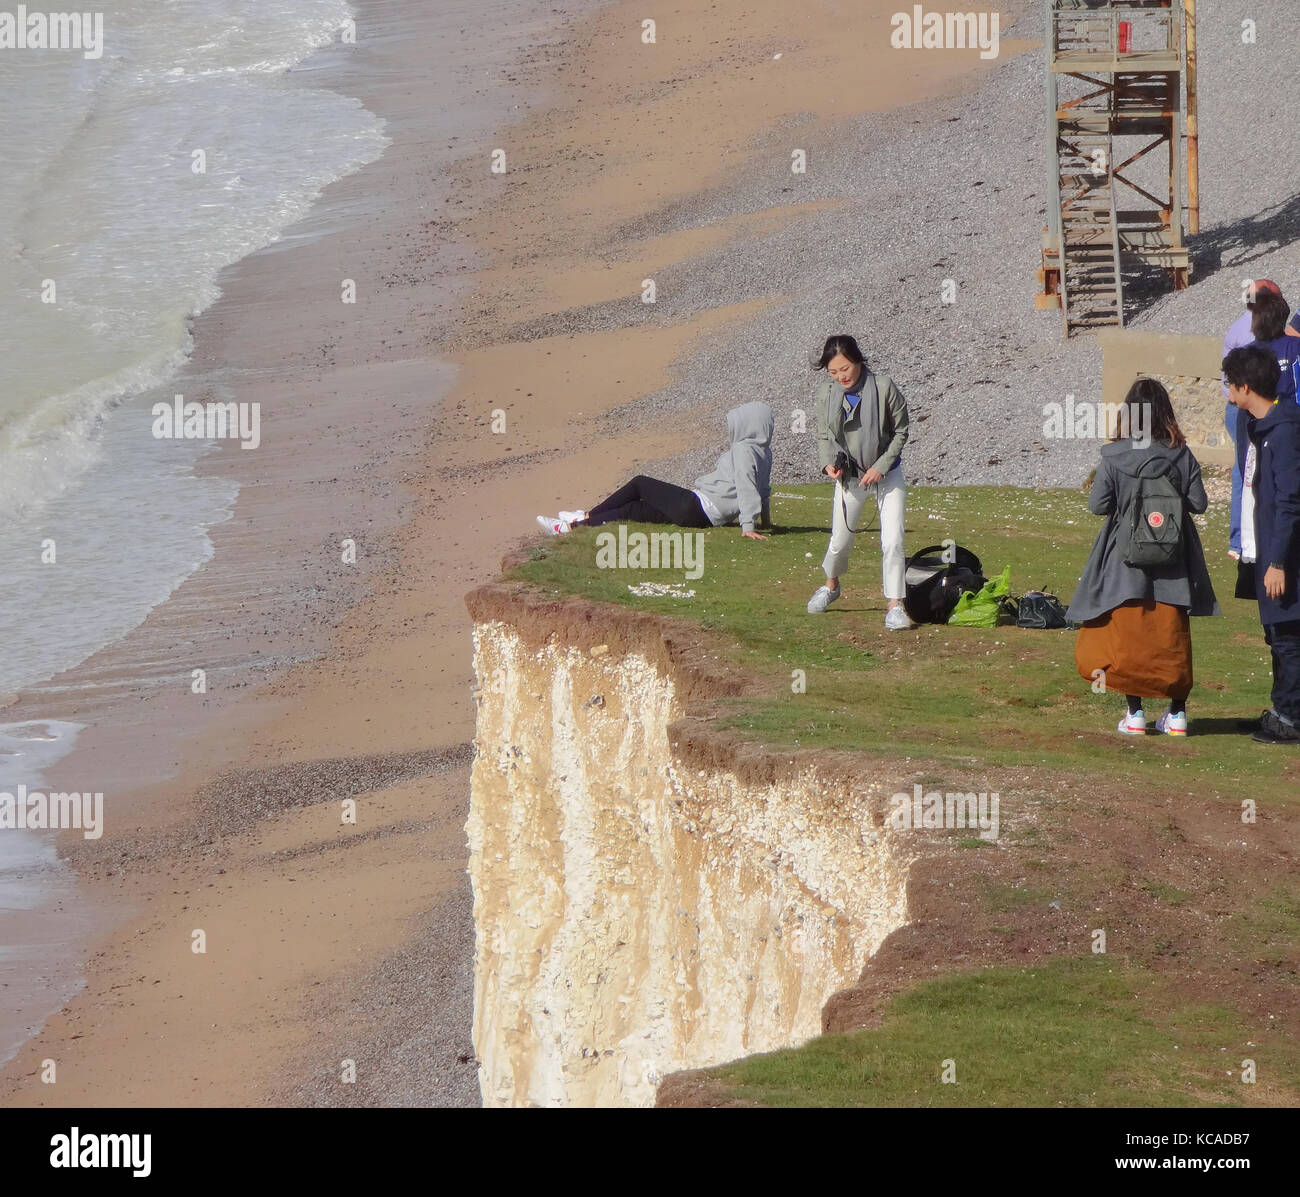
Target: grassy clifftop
(1142, 839)
(968, 698)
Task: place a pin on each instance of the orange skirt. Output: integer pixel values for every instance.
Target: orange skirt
(1143, 648)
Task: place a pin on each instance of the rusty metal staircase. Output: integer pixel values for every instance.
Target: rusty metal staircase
(1092, 294)
(1114, 71)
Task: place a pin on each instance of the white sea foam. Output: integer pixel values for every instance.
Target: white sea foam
(41, 923)
(102, 208)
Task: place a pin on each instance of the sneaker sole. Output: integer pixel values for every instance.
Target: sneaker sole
(1125, 731)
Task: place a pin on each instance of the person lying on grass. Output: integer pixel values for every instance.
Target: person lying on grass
(738, 490)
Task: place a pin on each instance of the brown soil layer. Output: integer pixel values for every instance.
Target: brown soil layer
(1074, 854)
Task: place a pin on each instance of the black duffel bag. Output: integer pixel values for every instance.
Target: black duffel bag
(936, 577)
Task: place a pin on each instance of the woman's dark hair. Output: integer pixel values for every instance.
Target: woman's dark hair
(1156, 418)
(842, 343)
(1268, 319)
(1254, 368)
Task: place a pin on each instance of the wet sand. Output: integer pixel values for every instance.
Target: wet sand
(328, 941)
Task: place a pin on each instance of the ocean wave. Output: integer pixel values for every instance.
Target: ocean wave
(112, 213)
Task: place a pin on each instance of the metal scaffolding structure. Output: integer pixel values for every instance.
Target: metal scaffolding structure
(1115, 75)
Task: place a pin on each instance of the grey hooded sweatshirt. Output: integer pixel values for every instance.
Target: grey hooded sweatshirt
(741, 483)
(1107, 581)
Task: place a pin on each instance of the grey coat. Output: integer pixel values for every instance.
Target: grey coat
(1107, 582)
(876, 443)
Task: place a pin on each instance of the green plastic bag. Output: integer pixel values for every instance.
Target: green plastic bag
(980, 609)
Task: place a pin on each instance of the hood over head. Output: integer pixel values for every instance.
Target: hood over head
(750, 423)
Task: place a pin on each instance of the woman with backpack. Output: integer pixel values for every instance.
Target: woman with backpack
(862, 427)
(1146, 575)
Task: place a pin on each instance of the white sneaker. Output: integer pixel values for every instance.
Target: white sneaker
(1134, 724)
(896, 619)
(822, 599)
(1170, 724)
(573, 517)
(557, 527)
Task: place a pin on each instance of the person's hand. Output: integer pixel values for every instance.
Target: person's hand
(834, 473)
(871, 477)
(1274, 582)
(753, 536)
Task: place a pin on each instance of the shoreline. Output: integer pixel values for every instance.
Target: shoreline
(297, 734)
(266, 601)
(240, 827)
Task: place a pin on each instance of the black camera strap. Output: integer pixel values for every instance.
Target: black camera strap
(844, 508)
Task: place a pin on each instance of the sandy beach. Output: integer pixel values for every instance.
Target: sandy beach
(328, 681)
(329, 941)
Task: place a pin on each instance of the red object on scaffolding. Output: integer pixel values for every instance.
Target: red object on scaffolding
(1125, 37)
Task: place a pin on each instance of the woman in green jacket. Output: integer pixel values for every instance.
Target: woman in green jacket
(862, 426)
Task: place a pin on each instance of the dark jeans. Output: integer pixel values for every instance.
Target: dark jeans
(649, 501)
(1284, 640)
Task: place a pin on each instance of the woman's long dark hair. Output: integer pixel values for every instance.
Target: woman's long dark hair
(1268, 319)
(841, 343)
(1159, 420)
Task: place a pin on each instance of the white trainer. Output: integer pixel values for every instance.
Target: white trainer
(1134, 724)
(897, 620)
(822, 599)
(573, 517)
(556, 527)
(1170, 724)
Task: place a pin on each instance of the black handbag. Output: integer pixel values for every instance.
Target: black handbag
(1039, 610)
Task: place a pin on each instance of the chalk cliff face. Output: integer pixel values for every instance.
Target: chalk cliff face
(643, 906)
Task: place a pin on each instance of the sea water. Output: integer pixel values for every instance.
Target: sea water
(129, 181)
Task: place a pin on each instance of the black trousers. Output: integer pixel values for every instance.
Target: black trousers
(649, 501)
(1284, 640)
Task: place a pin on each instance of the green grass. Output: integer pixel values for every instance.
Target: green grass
(1270, 930)
(943, 705)
(1071, 1032)
(1169, 894)
(953, 697)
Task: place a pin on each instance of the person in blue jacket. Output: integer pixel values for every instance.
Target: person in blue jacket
(1270, 525)
(1268, 315)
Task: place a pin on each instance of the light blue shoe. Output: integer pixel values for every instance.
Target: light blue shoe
(824, 597)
